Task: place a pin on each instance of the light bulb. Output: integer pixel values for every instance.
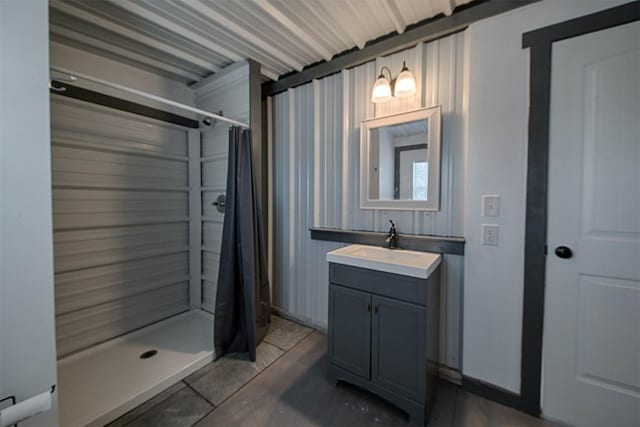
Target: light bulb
(405, 84)
(381, 90)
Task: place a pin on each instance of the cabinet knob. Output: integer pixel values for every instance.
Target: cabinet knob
(375, 309)
(369, 307)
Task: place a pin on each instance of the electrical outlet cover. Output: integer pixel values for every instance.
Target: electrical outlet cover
(490, 234)
(490, 205)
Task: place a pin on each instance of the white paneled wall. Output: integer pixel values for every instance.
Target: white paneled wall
(228, 92)
(120, 220)
(315, 167)
(497, 124)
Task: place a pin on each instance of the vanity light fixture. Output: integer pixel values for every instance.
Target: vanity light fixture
(385, 88)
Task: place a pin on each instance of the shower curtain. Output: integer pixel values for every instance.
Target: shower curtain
(242, 309)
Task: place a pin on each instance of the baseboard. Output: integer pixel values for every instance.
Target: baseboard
(298, 319)
(450, 374)
(497, 394)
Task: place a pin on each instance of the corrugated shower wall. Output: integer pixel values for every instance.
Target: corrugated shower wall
(121, 222)
(227, 91)
(315, 167)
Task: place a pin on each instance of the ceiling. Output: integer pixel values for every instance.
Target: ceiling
(417, 127)
(188, 40)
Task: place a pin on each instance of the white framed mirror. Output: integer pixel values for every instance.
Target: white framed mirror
(400, 161)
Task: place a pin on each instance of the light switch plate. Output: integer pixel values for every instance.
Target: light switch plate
(490, 234)
(490, 205)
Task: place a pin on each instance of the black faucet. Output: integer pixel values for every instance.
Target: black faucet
(392, 237)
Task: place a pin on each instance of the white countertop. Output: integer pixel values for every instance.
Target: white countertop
(396, 261)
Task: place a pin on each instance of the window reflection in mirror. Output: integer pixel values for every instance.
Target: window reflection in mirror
(398, 162)
(420, 180)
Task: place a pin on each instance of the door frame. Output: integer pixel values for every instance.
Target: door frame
(540, 43)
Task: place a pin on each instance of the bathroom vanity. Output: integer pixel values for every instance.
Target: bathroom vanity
(383, 324)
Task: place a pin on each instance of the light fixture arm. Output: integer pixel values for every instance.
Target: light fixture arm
(388, 71)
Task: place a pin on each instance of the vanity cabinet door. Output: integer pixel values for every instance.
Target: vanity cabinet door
(399, 347)
(350, 330)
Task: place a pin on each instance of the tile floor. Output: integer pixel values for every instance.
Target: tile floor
(287, 386)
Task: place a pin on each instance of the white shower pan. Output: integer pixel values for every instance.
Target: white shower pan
(104, 382)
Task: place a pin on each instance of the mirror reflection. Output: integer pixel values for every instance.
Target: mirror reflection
(399, 161)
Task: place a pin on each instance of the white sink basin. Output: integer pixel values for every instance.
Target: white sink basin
(397, 261)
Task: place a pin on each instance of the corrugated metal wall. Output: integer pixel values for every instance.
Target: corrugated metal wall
(229, 92)
(121, 215)
(315, 167)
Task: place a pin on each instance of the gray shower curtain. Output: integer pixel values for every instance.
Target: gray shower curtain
(242, 311)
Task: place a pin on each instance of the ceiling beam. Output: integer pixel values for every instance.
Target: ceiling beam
(69, 37)
(394, 14)
(294, 28)
(241, 34)
(177, 29)
(269, 73)
(126, 32)
(342, 20)
(446, 6)
(430, 29)
(329, 38)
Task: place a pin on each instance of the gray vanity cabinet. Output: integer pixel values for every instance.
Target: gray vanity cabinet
(383, 331)
(350, 345)
(397, 357)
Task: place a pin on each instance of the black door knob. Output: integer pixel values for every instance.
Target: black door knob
(564, 252)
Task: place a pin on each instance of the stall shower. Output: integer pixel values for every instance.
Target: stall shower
(138, 237)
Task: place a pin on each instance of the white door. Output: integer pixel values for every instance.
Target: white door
(591, 362)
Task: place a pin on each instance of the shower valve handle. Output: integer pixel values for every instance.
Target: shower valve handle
(220, 203)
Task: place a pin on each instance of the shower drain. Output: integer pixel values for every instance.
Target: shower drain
(148, 354)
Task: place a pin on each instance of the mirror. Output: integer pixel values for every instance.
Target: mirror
(400, 161)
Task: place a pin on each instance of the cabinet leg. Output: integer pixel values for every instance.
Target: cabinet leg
(333, 380)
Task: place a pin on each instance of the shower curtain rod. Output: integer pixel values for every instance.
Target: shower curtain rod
(72, 76)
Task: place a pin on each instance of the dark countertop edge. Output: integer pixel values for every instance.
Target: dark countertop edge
(414, 242)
